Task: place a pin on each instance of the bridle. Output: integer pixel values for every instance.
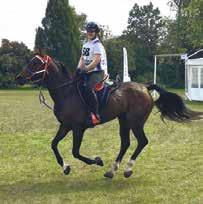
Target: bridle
(46, 60)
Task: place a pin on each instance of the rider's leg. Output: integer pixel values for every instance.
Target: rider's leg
(93, 102)
(93, 79)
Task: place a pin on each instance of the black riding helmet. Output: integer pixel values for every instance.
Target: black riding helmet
(92, 27)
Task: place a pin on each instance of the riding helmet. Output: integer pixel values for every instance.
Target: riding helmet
(92, 27)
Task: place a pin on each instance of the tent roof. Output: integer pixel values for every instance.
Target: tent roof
(198, 61)
(196, 55)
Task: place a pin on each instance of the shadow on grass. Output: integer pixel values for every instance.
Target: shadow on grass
(74, 185)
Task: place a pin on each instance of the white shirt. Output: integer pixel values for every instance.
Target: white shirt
(89, 49)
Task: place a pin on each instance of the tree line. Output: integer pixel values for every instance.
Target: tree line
(148, 33)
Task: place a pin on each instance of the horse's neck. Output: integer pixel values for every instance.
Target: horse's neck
(55, 83)
(57, 95)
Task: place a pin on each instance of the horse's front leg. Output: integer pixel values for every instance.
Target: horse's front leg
(77, 140)
(59, 136)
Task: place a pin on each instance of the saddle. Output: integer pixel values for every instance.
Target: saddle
(102, 89)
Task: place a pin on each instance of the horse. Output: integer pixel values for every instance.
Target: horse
(131, 103)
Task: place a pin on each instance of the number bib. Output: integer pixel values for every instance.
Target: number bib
(91, 48)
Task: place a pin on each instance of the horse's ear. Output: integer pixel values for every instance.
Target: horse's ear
(40, 52)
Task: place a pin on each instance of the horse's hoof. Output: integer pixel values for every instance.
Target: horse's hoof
(127, 174)
(108, 174)
(66, 170)
(99, 161)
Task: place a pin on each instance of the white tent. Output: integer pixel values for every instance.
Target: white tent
(194, 77)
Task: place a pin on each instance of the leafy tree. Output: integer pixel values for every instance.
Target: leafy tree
(13, 56)
(184, 34)
(177, 27)
(81, 23)
(114, 49)
(145, 24)
(178, 6)
(194, 14)
(185, 31)
(144, 34)
(59, 35)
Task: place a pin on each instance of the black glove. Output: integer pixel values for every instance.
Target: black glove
(80, 71)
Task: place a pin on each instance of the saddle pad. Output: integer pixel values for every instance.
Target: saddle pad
(102, 95)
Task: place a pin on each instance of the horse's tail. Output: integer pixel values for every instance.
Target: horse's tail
(172, 106)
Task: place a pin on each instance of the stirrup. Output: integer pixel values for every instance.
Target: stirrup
(95, 119)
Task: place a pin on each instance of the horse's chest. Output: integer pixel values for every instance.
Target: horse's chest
(69, 115)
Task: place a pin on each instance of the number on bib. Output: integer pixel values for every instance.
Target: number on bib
(86, 51)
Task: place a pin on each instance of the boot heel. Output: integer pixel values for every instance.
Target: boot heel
(95, 119)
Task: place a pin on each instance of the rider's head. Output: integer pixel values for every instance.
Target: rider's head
(92, 30)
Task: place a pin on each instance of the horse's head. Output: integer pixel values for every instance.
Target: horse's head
(36, 70)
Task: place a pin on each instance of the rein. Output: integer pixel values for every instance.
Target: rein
(46, 62)
(42, 98)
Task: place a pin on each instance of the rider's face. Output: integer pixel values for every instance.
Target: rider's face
(90, 35)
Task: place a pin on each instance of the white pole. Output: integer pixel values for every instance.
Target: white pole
(155, 93)
(126, 77)
(155, 62)
(155, 69)
(125, 64)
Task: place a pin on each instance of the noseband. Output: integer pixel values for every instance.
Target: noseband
(45, 62)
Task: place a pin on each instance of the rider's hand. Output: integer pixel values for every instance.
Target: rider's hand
(80, 71)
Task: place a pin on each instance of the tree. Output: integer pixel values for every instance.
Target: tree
(145, 24)
(81, 23)
(185, 31)
(59, 34)
(114, 50)
(177, 27)
(144, 34)
(194, 14)
(13, 56)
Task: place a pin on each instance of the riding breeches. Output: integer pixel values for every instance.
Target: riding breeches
(93, 78)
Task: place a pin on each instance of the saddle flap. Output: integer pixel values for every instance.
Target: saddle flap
(102, 93)
(99, 86)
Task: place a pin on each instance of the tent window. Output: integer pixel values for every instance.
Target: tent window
(201, 78)
(186, 79)
(194, 77)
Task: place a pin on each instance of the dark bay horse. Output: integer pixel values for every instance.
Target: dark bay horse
(131, 103)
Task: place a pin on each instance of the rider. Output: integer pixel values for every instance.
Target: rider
(93, 63)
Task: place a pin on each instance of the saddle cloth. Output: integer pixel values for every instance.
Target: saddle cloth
(102, 91)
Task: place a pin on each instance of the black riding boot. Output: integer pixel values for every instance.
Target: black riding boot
(93, 106)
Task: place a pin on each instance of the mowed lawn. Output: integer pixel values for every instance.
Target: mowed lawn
(168, 171)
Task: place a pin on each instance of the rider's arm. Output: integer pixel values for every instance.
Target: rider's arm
(81, 63)
(96, 60)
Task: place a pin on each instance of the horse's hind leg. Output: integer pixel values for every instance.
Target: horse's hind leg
(59, 136)
(142, 142)
(125, 143)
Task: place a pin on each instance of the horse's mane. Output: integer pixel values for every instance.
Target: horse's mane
(63, 68)
(59, 64)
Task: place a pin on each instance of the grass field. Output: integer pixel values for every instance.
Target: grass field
(168, 171)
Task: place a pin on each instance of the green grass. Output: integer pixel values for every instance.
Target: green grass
(168, 171)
